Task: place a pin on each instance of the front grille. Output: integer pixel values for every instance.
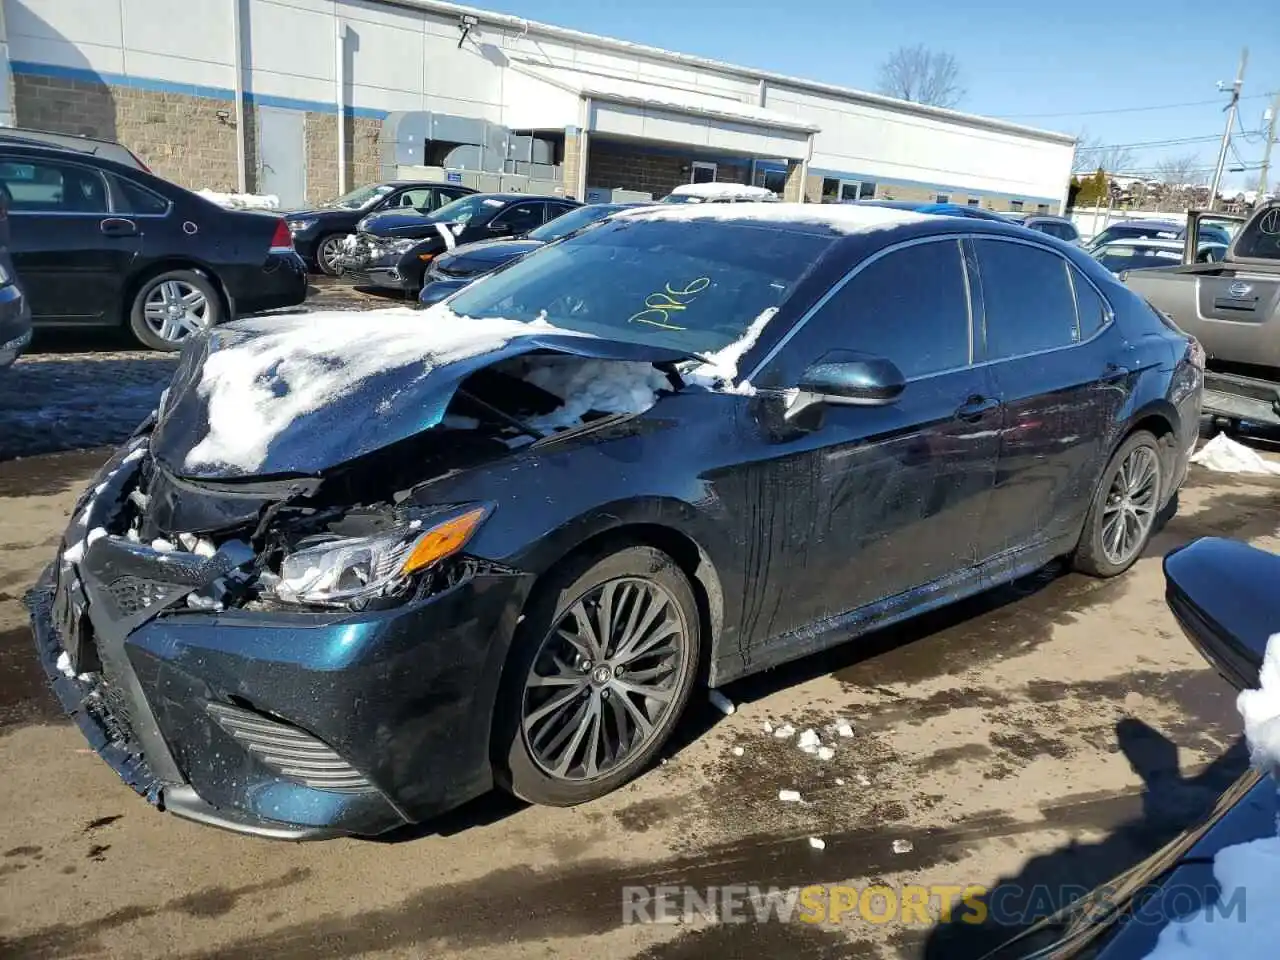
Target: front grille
(290, 752)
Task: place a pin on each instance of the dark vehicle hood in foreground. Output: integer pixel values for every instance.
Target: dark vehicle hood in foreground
(389, 406)
(484, 255)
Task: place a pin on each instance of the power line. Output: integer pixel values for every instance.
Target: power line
(1099, 113)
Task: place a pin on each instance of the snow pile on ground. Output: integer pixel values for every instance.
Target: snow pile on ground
(1225, 455)
(721, 367)
(610, 386)
(241, 201)
(723, 191)
(841, 217)
(1252, 867)
(1261, 711)
(297, 364)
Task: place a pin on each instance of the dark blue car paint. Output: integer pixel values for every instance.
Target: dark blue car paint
(928, 509)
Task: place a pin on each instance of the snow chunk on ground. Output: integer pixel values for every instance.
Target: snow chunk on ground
(241, 201)
(1225, 455)
(721, 367)
(610, 386)
(1250, 934)
(789, 796)
(809, 741)
(817, 843)
(64, 664)
(785, 731)
(705, 192)
(298, 364)
(840, 217)
(1261, 711)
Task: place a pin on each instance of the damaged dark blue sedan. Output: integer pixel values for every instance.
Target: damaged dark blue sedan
(352, 575)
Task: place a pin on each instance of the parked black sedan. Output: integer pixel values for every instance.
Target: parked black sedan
(357, 573)
(97, 243)
(15, 312)
(391, 250)
(319, 232)
(449, 272)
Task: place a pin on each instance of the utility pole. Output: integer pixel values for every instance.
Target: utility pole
(1226, 134)
(1266, 153)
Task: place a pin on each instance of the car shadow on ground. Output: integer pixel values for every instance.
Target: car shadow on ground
(1171, 803)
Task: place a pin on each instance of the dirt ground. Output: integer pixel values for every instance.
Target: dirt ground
(1055, 731)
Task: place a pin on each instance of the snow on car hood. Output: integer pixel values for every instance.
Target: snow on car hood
(298, 394)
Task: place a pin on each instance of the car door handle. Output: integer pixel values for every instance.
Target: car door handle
(118, 227)
(976, 407)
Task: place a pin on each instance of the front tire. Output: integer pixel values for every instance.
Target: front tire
(600, 672)
(328, 250)
(1125, 509)
(172, 306)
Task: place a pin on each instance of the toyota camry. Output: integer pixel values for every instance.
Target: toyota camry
(350, 575)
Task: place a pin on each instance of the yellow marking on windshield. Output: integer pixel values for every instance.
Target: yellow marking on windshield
(660, 305)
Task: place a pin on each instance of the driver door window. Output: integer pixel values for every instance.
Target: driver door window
(520, 219)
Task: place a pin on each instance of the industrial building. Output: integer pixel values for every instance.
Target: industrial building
(306, 99)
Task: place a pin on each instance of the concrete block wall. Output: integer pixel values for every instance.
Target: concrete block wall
(614, 165)
(188, 139)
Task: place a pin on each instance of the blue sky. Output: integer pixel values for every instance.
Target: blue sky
(1044, 64)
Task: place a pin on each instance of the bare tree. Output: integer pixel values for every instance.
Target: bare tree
(1093, 155)
(922, 76)
(1177, 174)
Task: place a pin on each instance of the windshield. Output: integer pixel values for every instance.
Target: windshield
(694, 287)
(1130, 231)
(1123, 256)
(566, 223)
(362, 198)
(465, 209)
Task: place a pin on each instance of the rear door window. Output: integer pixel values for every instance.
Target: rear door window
(522, 217)
(1091, 309)
(1030, 306)
(886, 311)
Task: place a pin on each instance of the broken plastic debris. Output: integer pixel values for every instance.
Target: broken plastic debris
(205, 548)
(844, 729)
(825, 753)
(817, 843)
(808, 741)
(839, 781)
(188, 540)
(163, 546)
(97, 533)
(784, 731)
(721, 702)
(903, 846)
(789, 796)
(738, 751)
(64, 664)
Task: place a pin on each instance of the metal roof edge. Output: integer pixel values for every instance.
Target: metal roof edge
(748, 73)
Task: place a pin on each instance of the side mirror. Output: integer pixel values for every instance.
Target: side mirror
(845, 377)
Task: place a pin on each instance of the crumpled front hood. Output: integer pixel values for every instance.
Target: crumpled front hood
(296, 395)
(393, 223)
(484, 255)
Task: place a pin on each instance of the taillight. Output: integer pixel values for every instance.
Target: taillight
(282, 239)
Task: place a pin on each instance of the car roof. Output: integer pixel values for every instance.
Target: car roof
(426, 183)
(1152, 224)
(943, 209)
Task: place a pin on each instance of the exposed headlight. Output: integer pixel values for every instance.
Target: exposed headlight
(298, 226)
(402, 246)
(348, 569)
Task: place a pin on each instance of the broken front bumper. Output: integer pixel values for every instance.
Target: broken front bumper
(281, 724)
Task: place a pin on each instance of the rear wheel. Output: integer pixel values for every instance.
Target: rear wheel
(1124, 509)
(328, 251)
(173, 306)
(600, 673)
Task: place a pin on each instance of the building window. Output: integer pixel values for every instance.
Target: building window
(1042, 208)
(942, 198)
(702, 172)
(974, 202)
(775, 180)
(866, 191)
(830, 190)
(1015, 206)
